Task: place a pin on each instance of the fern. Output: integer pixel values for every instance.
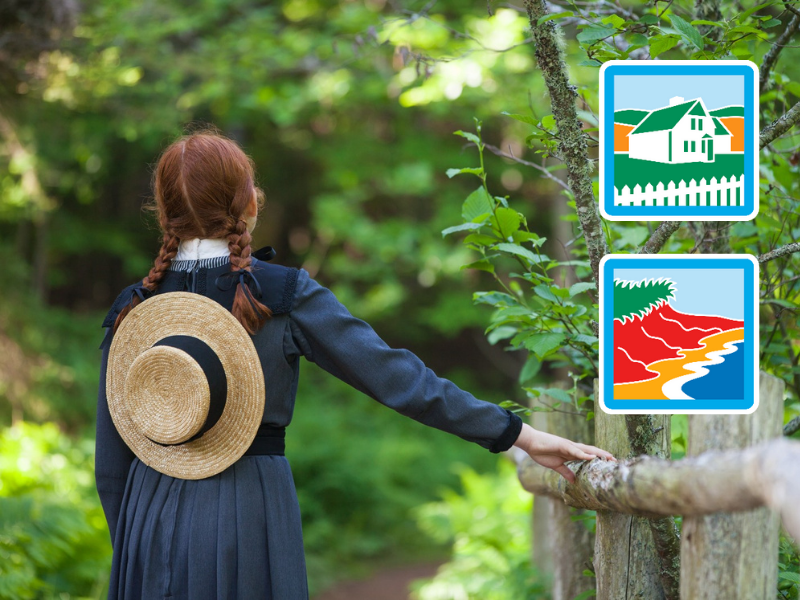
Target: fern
(632, 298)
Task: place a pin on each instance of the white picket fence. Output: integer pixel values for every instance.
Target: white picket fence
(713, 193)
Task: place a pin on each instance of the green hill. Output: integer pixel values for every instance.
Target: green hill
(630, 116)
(728, 111)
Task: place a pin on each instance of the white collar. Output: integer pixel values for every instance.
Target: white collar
(198, 248)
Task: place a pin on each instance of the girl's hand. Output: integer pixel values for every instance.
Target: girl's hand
(552, 451)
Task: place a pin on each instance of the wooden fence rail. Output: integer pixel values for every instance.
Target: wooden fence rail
(735, 464)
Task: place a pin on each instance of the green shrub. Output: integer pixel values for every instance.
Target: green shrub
(54, 541)
(489, 526)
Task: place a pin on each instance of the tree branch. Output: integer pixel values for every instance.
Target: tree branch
(572, 145)
(780, 126)
(778, 252)
(717, 480)
(659, 237)
(540, 168)
(771, 57)
(792, 427)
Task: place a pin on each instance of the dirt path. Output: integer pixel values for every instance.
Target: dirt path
(386, 584)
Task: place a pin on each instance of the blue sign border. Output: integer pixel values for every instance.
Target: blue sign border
(676, 406)
(663, 212)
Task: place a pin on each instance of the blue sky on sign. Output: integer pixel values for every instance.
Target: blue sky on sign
(718, 292)
(654, 91)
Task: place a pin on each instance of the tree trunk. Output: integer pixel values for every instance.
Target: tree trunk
(569, 543)
(626, 560)
(730, 556)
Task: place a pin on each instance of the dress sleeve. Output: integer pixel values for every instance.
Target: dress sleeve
(112, 458)
(325, 332)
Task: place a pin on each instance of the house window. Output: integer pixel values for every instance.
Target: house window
(685, 145)
(700, 124)
(703, 146)
(693, 147)
(692, 123)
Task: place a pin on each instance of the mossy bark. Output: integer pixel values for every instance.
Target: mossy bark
(572, 141)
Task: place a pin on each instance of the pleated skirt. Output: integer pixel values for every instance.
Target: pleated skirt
(236, 535)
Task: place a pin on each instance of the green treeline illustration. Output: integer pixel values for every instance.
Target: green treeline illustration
(640, 297)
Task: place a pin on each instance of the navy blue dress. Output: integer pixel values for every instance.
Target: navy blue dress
(238, 534)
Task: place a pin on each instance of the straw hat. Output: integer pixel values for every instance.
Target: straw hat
(185, 385)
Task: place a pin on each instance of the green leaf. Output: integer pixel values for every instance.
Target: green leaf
(590, 63)
(687, 31)
(781, 302)
(478, 203)
(586, 595)
(542, 344)
(519, 251)
(554, 16)
(585, 339)
(494, 299)
(742, 16)
(709, 23)
(648, 19)
(462, 227)
(770, 23)
(580, 287)
(516, 407)
(473, 170)
(532, 367)
(521, 118)
(543, 291)
(789, 576)
(507, 221)
(480, 265)
(480, 239)
(615, 21)
(661, 43)
(470, 136)
(558, 394)
(592, 34)
(528, 236)
(501, 333)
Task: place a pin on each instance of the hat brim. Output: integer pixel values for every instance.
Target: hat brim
(187, 313)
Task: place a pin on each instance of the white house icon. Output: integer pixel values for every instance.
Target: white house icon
(683, 132)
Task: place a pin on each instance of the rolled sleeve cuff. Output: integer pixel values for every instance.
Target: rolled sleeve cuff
(509, 435)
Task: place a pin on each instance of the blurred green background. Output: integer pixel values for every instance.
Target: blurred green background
(348, 109)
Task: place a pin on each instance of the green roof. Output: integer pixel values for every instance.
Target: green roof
(630, 116)
(665, 118)
(719, 128)
(698, 111)
(728, 111)
(706, 136)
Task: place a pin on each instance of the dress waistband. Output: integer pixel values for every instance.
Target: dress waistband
(269, 440)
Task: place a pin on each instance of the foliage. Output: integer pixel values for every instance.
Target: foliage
(360, 468)
(788, 569)
(344, 107)
(488, 524)
(639, 298)
(53, 536)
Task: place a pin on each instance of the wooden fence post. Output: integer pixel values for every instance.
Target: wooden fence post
(733, 556)
(569, 543)
(626, 563)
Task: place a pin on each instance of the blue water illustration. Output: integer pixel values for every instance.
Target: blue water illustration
(724, 381)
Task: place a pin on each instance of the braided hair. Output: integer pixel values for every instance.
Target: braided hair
(202, 185)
